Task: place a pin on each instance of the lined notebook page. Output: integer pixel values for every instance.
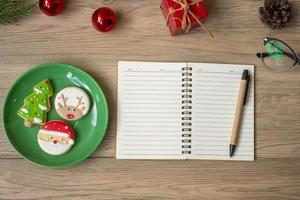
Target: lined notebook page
(215, 89)
(149, 110)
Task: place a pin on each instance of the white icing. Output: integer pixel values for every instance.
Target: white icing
(42, 107)
(37, 120)
(37, 90)
(54, 149)
(25, 110)
(71, 142)
(55, 133)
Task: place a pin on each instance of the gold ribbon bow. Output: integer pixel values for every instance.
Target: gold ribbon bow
(186, 21)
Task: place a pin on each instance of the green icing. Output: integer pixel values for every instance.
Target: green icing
(37, 104)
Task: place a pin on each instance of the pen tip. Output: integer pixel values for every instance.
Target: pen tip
(231, 149)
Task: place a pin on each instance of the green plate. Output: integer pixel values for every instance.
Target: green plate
(89, 130)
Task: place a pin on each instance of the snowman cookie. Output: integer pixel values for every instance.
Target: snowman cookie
(56, 137)
(72, 103)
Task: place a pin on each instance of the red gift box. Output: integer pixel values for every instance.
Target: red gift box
(181, 15)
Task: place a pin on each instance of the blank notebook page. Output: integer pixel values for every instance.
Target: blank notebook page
(149, 110)
(215, 89)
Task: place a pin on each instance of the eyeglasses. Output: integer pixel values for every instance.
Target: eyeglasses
(278, 56)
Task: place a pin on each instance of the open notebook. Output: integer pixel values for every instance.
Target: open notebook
(182, 111)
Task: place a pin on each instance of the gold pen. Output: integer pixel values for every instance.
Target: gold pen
(239, 111)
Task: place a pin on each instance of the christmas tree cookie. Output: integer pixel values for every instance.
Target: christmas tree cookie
(37, 104)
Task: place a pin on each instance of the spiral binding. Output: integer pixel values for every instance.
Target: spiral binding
(186, 110)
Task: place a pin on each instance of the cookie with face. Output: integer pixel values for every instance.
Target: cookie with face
(56, 137)
(72, 103)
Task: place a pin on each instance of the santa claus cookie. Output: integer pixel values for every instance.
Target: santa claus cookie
(72, 103)
(56, 137)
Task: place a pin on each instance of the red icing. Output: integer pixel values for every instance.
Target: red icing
(70, 116)
(59, 126)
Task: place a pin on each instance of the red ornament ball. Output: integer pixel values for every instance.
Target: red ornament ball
(104, 19)
(51, 7)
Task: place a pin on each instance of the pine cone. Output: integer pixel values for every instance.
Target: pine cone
(275, 13)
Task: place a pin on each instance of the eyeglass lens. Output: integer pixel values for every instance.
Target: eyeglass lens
(278, 56)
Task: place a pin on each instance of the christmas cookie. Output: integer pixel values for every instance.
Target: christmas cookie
(72, 103)
(56, 137)
(37, 104)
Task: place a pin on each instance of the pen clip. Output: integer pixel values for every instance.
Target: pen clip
(246, 92)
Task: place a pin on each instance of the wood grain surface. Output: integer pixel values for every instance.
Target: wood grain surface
(141, 34)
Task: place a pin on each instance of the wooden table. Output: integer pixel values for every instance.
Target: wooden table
(141, 34)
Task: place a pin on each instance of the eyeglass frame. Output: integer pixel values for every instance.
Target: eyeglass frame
(294, 57)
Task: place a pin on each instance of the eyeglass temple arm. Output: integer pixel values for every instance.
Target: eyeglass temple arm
(298, 60)
(263, 55)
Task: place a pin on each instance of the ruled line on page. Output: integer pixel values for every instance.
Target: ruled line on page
(152, 84)
(135, 154)
(152, 123)
(143, 103)
(151, 89)
(205, 137)
(141, 142)
(149, 117)
(153, 108)
(162, 126)
(151, 111)
(149, 76)
(199, 131)
(140, 134)
(208, 72)
(151, 98)
(156, 131)
(150, 71)
(152, 94)
(220, 155)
